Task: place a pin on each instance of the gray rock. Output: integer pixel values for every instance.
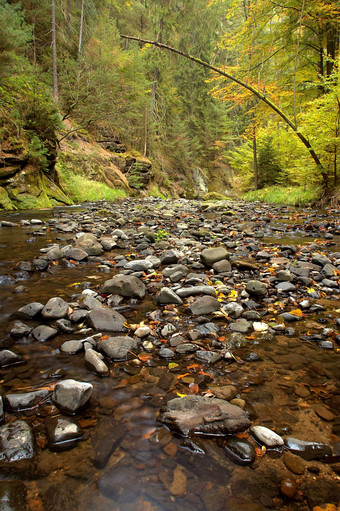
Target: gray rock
(196, 290)
(320, 260)
(9, 358)
(240, 451)
(106, 320)
(222, 266)
(108, 243)
(227, 392)
(20, 330)
(256, 288)
(287, 316)
(124, 285)
(2, 413)
(72, 347)
(207, 357)
(168, 329)
(94, 362)
(40, 264)
(62, 433)
(285, 287)
(65, 325)
(26, 400)
(31, 310)
(200, 415)
(167, 296)
(284, 276)
(233, 309)
(185, 348)
(90, 245)
(176, 272)
(55, 308)
(166, 353)
(329, 270)
(77, 254)
(210, 256)
(204, 305)
(138, 265)
(266, 436)
(71, 395)
(169, 257)
(142, 331)
(90, 303)
(240, 325)
(16, 442)
(44, 333)
(119, 348)
(308, 450)
(54, 254)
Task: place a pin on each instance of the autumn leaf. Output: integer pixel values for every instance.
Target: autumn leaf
(144, 357)
(297, 312)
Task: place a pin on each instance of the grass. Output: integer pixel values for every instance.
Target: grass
(291, 195)
(81, 189)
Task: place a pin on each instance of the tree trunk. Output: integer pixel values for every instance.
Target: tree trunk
(256, 171)
(256, 92)
(81, 28)
(54, 56)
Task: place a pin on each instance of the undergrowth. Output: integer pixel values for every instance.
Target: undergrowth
(291, 195)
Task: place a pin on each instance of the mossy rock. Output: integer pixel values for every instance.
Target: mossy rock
(214, 196)
(5, 201)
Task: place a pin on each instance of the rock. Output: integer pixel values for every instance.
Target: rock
(13, 496)
(176, 272)
(20, 330)
(204, 305)
(185, 348)
(227, 392)
(240, 451)
(76, 254)
(196, 290)
(94, 362)
(106, 320)
(320, 260)
(142, 331)
(16, 442)
(240, 325)
(138, 265)
(71, 395)
(329, 270)
(2, 414)
(89, 244)
(62, 433)
(167, 296)
(26, 400)
(209, 256)
(54, 254)
(178, 487)
(105, 438)
(9, 358)
(256, 288)
(121, 483)
(233, 309)
(308, 450)
(55, 308)
(44, 333)
(124, 285)
(169, 257)
(287, 316)
(207, 357)
(285, 287)
(267, 437)
(168, 329)
(40, 264)
(293, 463)
(65, 325)
(166, 353)
(201, 415)
(284, 276)
(31, 310)
(222, 266)
(289, 487)
(72, 347)
(324, 413)
(118, 348)
(90, 303)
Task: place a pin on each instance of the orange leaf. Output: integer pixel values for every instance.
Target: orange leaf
(242, 435)
(144, 357)
(297, 312)
(104, 337)
(182, 375)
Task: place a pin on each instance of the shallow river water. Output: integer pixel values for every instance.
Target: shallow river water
(127, 459)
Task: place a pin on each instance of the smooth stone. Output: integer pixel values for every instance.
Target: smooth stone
(294, 463)
(95, 363)
(8, 358)
(329, 270)
(209, 256)
(320, 260)
(44, 333)
(40, 264)
(207, 329)
(20, 330)
(233, 309)
(138, 265)
(284, 276)
(72, 347)
(196, 290)
(290, 318)
(289, 487)
(71, 395)
(168, 296)
(201, 415)
(176, 272)
(240, 325)
(183, 349)
(118, 348)
(106, 320)
(76, 254)
(90, 245)
(16, 442)
(124, 285)
(285, 287)
(142, 331)
(55, 308)
(31, 310)
(207, 357)
(65, 325)
(121, 483)
(308, 450)
(62, 433)
(169, 257)
(324, 413)
(256, 288)
(90, 303)
(2, 414)
(240, 451)
(227, 392)
(166, 353)
(266, 436)
(204, 305)
(222, 266)
(26, 400)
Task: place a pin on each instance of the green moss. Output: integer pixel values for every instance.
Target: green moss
(214, 196)
(292, 195)
(5, 201)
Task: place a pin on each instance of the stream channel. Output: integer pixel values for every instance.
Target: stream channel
(270, 347)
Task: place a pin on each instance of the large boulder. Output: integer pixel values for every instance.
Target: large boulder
(201, 415)
(124, 285)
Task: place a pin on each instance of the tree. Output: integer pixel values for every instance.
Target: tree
(54, 53)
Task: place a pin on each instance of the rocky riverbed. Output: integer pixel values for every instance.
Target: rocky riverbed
(158, 355)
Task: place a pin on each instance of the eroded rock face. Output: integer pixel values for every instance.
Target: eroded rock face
(207, 416)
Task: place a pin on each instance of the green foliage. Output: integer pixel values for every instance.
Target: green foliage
(270, 170)
(37, 153)
(14, 37)
(161, 235)
(293, 196)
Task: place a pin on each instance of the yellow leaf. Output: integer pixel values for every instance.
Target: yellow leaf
(297, 312)
(172, 365)
(180, 395)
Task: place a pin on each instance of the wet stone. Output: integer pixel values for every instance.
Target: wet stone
(119, 348)
(76, 254)
(240, 325)
(8, 358)
(94, 362)
(199, 415)
(13, 496)
(308, 450)
(266, 436)
(106, 320)
(120, 483)
(233, 309)
(204, 305)
(16, 442)
(184, 349)
(124, 285)
(168, 296)
(240, 451)
(195, 290)
(285, 287)
(20, 330)
(2, 414)
(44, 333)
(62, 433)
(324, 413)
(72, 347)
(55, 308)
(71, 395)
(166, 353)
(31, 310)
(25, 400)
(294, 463)
(227, 392)
(207, 357)
(288, 487)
